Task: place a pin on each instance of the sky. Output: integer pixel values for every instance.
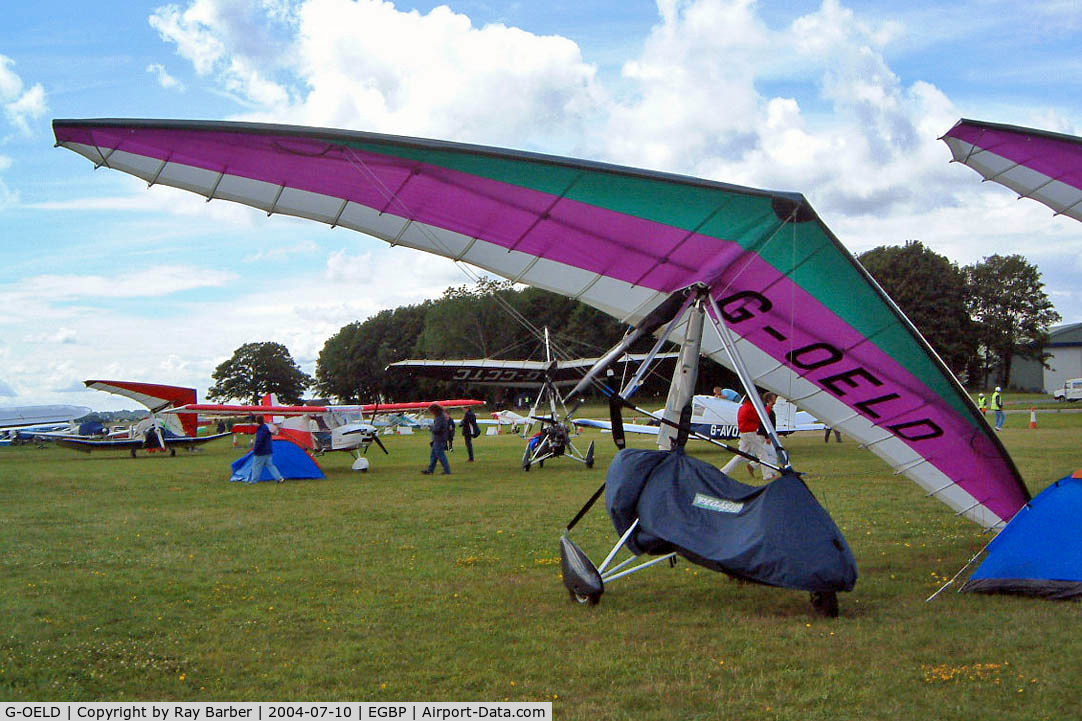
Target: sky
(841, 101)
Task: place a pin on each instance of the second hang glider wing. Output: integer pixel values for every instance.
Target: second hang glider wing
(1037, 164)
(507, 373)
(810, 323)
(155, 397)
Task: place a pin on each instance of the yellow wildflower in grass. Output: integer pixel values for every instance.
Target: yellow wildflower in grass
(945, 673)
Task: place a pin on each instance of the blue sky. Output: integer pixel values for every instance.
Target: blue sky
(840, 101)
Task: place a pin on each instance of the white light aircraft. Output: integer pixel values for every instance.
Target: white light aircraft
(716, 418)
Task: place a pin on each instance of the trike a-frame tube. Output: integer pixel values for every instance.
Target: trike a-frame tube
(682, 387)
(726, 338)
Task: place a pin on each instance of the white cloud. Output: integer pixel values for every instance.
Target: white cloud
(8, 197)
(11, 85)
(188, 31)
(415, 274)
(151, 282)
(166, 80)
(59, 336)
(21, 105)
(437, 74)
(228, 40)
(29, 106)
(368, 65)
(695, 88)
(278, 252)
(701, 108)
(6, 390)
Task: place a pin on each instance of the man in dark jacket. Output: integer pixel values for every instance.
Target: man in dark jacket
(262, 453)
(440, 433)
(470, 430)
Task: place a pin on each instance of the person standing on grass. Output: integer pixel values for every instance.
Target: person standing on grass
(997, 406)
(470, 430)
(440, 433)
(747, 423)
(982, 404)
(767, 452)
(262, 454)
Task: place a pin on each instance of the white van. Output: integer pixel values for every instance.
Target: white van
(1071, 391)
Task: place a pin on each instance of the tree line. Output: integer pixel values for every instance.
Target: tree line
(490, 319)
(977, 318)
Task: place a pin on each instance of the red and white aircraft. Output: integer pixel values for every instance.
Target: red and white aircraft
(157, 431)
(326, 427)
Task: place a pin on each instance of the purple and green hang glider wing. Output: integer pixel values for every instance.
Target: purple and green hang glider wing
(811, 324)
(1037, 164)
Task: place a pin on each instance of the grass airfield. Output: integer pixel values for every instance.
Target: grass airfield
(157, 579)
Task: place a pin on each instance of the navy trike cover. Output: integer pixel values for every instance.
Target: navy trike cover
(775, 534)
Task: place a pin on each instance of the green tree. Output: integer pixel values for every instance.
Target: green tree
(342, 369)
(933, 293)
(350, 366)
(1012, 312)
(257, 369)
(471, 322)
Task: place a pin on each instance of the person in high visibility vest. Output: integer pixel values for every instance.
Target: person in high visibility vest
(982, 404)
(997, 406)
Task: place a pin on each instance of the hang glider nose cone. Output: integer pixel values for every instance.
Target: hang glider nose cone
(793, 207)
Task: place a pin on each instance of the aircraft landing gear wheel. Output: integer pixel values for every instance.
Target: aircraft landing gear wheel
(526, 466)
(591, 599)
(173, 452)
(825, 603)
(133, 453)
(590, 463)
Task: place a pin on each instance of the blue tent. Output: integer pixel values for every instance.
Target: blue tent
(292, 461)
(1039, 553)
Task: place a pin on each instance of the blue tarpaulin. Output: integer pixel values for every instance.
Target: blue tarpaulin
(776, 534)
(291, 460)
(1039, 553)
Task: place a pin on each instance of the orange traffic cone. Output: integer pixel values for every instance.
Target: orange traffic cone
(1032, 417)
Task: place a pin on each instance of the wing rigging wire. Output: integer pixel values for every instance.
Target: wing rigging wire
(560, 352)
(361, 166)
(792, 309)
